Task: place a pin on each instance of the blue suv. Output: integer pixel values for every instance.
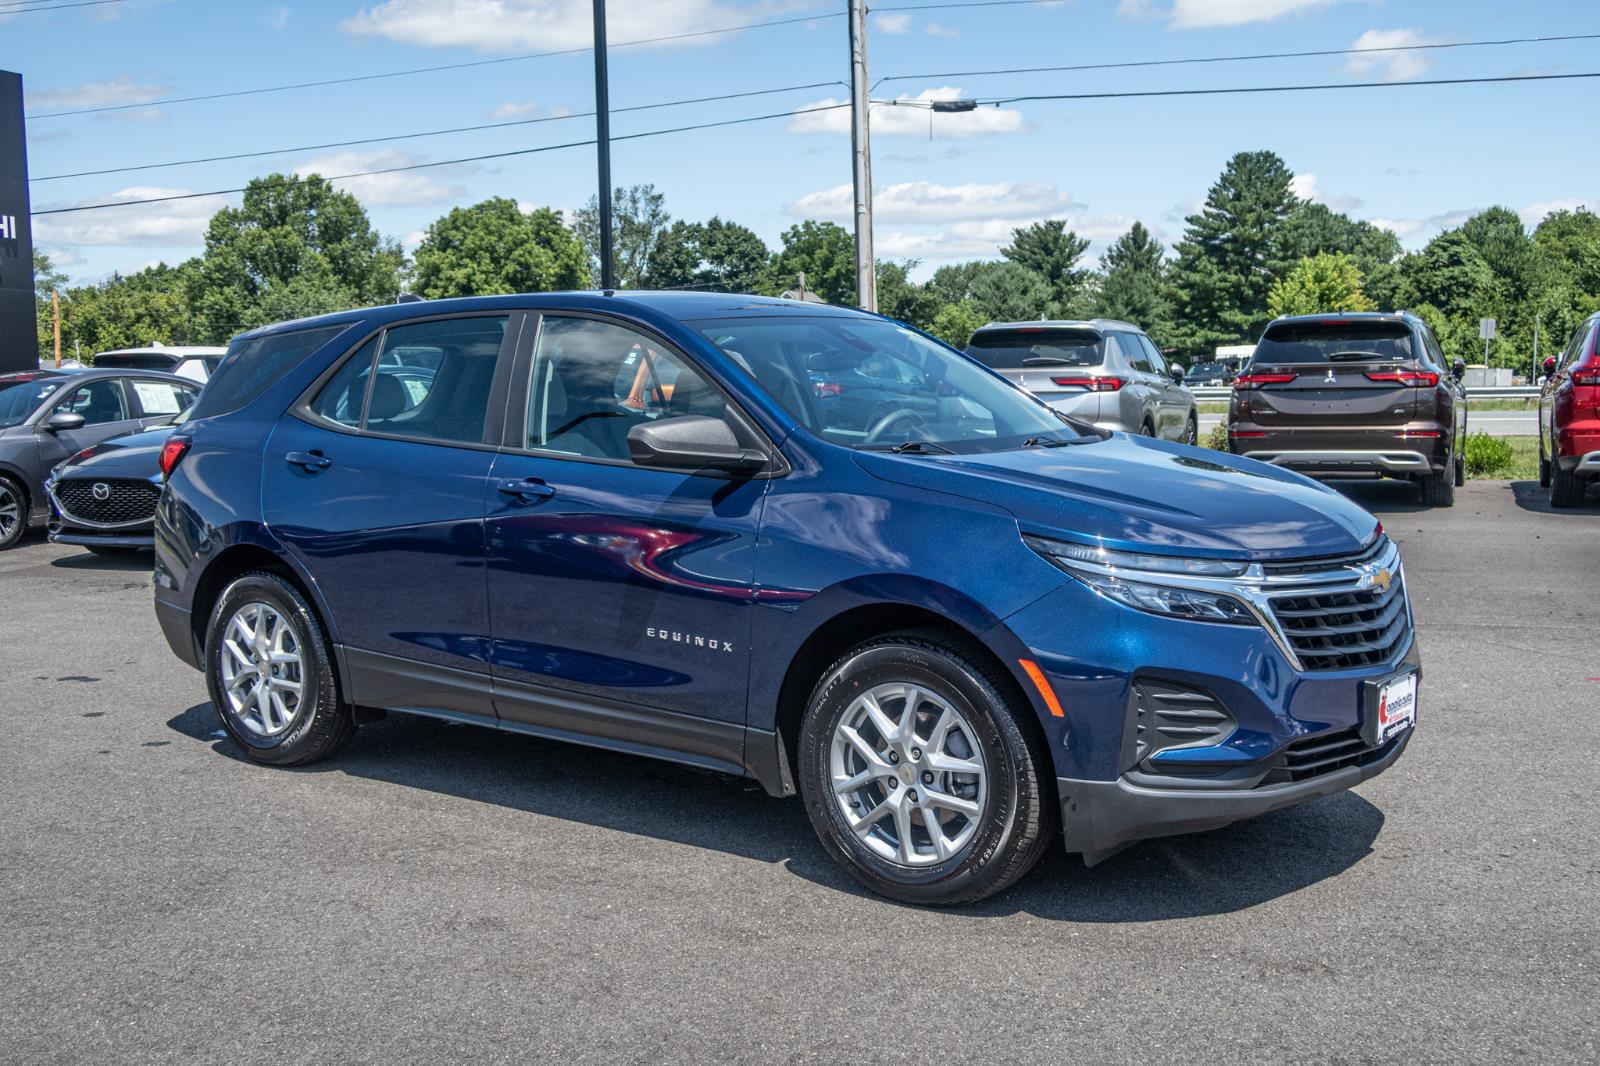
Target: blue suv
(953, 621)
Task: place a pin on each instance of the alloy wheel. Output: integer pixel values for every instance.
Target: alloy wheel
(10, 512)
(263, 675)
(908, 775)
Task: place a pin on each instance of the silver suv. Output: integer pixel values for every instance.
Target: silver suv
(1100, 371)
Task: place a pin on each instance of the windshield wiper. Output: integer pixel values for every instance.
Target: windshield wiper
(1339, 357)
(1053, 442)
(910, 447)
(1047, 360)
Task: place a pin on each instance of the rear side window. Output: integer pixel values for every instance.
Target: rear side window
(1335, 340)
(162, 397)
(439, 389)
(252, 365)
(1013, 349)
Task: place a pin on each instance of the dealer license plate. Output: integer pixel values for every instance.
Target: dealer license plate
(1391, 707)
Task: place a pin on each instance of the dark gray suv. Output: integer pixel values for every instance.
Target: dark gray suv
(1100, 371)
(47, 416)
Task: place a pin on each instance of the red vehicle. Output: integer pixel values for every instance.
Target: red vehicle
(1569, 418)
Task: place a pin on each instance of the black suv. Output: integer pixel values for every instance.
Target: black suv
(1363, 394)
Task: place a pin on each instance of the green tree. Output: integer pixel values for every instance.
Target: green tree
(1052, 251)
(1327, 281)
(1313, 228)
(493, 247)
(1009, 292)
(153, 306)
(955, 323)
(293, 247)
(1231, 252)
(899, 297)
(825, 252)
(1134, 287)
(639, 219)
(1449, 284)
(714, 256)
(46, 279)
(952, 283)
(1513, 261)
(1568, 247)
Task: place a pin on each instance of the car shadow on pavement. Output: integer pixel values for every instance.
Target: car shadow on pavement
(1218, 872)
(88, 560)
(1381, 496)
(1530, 497)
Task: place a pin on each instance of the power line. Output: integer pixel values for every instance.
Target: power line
(23, 7)
(430, 70)
(429, 133)
(1241, 58)
(448, 162)
(1266, 89)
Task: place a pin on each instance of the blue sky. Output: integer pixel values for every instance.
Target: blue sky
(1416, 159)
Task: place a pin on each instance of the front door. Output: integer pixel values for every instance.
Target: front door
(613, 585)
(378, 485)
(106, 412)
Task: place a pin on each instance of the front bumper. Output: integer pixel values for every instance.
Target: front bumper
(88, 538)
(1100, 818)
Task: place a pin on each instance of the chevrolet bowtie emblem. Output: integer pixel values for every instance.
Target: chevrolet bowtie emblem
(1382, 579)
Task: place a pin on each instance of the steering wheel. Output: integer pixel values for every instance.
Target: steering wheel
(888, 421)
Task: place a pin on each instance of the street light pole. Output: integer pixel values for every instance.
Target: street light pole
(861, 145)
(602, 135)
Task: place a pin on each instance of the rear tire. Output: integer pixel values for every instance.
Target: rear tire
(270, 674)
(1566, 489)
(993, 823)
(13, 513)
(1461, 470)
(1439, 490)
(1147, 430)
(1544, 473)
(1191, 431)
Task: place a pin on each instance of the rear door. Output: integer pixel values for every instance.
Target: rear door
(1335, 372)
(159, 402)
(1173, 398)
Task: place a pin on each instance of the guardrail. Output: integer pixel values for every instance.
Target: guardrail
(1217, 393)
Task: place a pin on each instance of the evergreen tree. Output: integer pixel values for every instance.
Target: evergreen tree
(1231, 252)
(1052, 251)
(1134, 287)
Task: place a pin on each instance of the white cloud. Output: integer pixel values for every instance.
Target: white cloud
(934, 29)
(1204, 14)
(1305, 187)
(891, 121)
(400, 189)
(542, 25)
(173, 223)
(277, 18)
(895, 23)
(983, 239)
(411, 240)
(1390, 66)
(528, 109)
(142, 114)
(1534, 213)
(124, 89)
(926, 202)
(1136, 10)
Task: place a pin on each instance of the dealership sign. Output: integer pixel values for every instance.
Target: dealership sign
(19, 338)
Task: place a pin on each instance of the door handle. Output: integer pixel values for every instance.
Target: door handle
(526, 490)
(310, 462)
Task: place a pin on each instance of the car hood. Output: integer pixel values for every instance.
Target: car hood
(1138, 493)
(134, 455)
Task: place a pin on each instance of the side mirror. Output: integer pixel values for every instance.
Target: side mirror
(1458, 369)
(692, 442)
(1176, 370)
(64, 420)
(1549, 365)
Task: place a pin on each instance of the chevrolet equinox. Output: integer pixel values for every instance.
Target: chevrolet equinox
(955, 622)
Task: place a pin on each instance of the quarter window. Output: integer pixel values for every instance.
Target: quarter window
(98, 402)
(594, 381)
(345, 394)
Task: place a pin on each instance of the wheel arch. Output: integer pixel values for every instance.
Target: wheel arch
(241, 558)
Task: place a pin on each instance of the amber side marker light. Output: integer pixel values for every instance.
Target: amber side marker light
(1046, 693)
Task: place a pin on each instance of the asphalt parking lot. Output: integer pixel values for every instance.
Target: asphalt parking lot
(445, 893)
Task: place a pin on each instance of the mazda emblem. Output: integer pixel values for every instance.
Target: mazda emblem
(101, 491)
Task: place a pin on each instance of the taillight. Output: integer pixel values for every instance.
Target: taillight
(1092, 384)
(828, 388)
(1589, 375)
(1255, 381)
(1416, 379)
(172, 453)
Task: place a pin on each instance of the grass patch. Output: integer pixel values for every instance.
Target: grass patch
(1519, 457)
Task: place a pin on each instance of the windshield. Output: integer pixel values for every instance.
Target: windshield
(1013, 349)
(1332, 340)
(19, 399)
(868, 383)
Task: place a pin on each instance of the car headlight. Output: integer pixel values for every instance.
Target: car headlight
(1136, 579)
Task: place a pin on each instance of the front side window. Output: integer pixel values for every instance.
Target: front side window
(921, 392)
(99, 402)
(594, 381)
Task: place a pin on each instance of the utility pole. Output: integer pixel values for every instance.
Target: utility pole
(55, 306)
(602, 135)
(861, 146)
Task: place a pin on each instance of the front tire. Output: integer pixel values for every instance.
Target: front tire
(920, 774)
(270, 674)
(13, 513)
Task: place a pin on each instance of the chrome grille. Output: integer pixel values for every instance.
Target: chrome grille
(127, 500)
(1345, 629)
